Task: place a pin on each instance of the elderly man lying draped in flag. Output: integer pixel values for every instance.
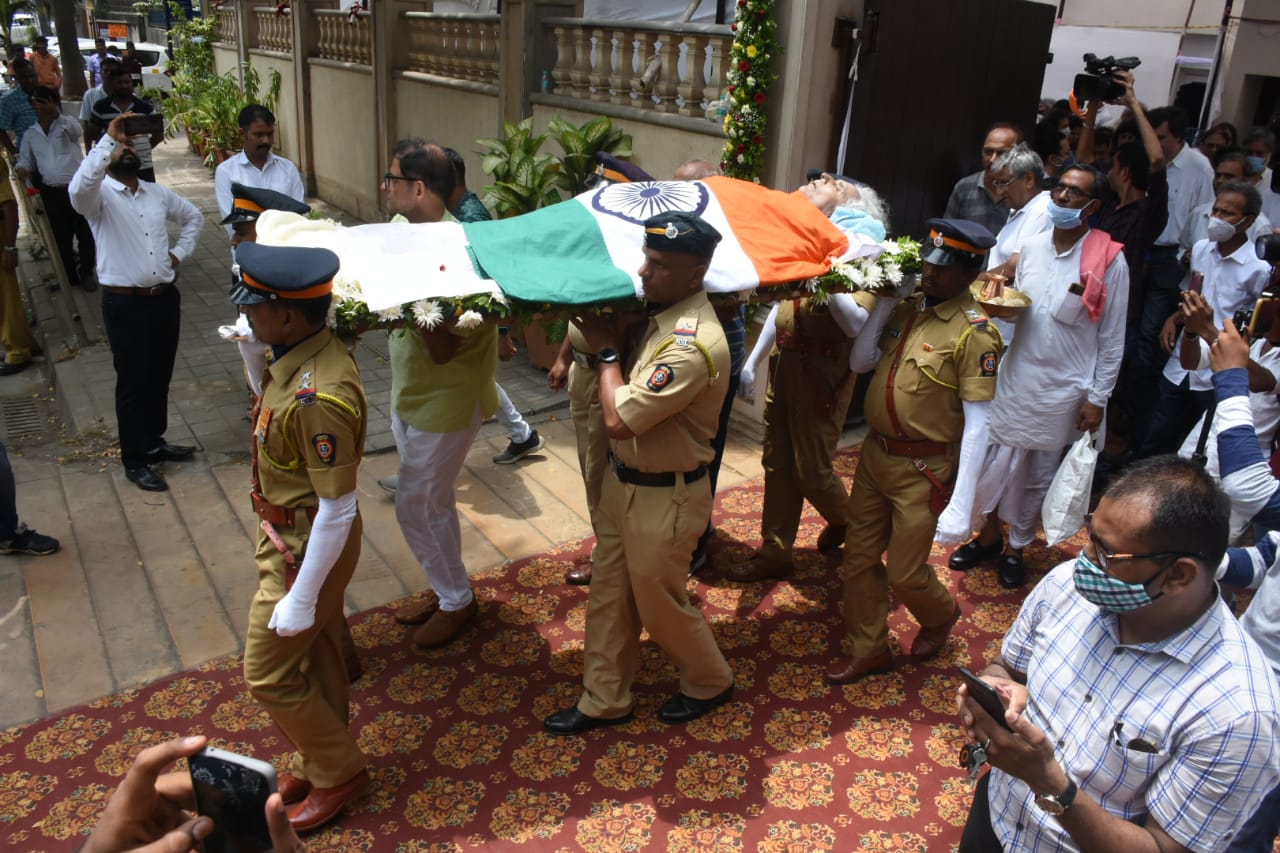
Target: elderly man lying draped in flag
(582, 251)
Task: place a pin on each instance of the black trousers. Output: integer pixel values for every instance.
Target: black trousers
(69, 226)
(143, 332)
(979, 836)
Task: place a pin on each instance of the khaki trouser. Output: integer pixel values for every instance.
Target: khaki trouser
(15, 333)
(798, 445)
(301, 681)
(588, 424)
(646, 536)
(889, 516)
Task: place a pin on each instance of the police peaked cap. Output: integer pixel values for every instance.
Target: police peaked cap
(248, 203)
(956, 242)
(266, 273)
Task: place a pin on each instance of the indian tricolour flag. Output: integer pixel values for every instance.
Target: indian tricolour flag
(590, 248)
(584, 250)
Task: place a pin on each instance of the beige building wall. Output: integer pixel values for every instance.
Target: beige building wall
(1250, 54)
(1141, 14)
(225, 59)
(447, 115)
(659, 149)
(344, 139)
(286, 105)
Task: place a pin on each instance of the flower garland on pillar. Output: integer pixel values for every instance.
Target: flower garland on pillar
(750, 74)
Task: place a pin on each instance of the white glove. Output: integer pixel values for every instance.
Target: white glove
(292, 615)
(953, 526)
(747, 383)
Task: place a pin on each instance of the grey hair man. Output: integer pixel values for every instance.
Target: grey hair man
(1260, 145)
(1015, 180)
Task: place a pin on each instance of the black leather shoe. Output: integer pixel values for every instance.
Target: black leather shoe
(683, 709)
(170, 453)
(972, 553)
(145, 478)
(571, 721)
(8, 368)
(1012, 571)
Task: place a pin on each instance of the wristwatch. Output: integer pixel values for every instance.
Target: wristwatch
(1057, 804)
(607, 356)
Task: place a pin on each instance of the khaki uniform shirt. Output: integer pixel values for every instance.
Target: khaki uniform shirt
(677, 386)
(932, 359)
(310, 429)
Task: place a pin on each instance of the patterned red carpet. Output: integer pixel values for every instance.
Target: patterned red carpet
(460, 760)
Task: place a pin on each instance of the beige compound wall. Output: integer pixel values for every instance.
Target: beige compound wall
(287, 102)
(450, 116)
(659, 149)
(344, 137)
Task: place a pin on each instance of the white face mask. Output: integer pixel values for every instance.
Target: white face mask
(1220, 230)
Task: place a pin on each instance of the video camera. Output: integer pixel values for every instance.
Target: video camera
(1255, 320)
(1098, 83)
(1268, 247)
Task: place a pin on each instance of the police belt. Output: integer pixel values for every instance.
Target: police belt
(279, 516)
(808, 346)
(584, 359)
(645, 478)
(911, 446)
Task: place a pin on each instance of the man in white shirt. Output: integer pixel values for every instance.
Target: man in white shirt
(1015, 179)
(50, 155)
(141, 308)
(1190, 179)
(256, 165)
(1058, 374)
(1230, 164)
(1259, 145)
(1227, 272)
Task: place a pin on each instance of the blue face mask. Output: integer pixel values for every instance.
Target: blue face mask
(1108, 593)
(1256, 164)
(1064, 217)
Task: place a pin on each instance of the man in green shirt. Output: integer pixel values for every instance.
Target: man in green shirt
(442, 389)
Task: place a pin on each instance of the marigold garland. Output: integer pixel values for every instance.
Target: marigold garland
(755, 43)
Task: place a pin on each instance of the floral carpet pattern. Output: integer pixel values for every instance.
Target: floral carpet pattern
(461, 762)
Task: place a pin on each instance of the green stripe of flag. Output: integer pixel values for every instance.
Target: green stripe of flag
(556, 254)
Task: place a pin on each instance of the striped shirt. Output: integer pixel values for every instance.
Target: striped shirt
(1183, 731)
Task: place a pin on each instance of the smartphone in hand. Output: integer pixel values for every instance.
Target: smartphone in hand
(232, 790)
(986, 696)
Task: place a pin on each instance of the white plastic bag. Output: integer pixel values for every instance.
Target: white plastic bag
(1067, 501)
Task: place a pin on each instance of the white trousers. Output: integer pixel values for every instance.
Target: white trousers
(1013, 483)
(427, 508)
(515, 425)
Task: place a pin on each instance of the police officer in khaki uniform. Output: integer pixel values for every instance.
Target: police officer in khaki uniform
(927, 409)
(575, 368)
(307, 444)
(656, 500)
(810, 386)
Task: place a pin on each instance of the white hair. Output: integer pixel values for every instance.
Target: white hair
(868, 201)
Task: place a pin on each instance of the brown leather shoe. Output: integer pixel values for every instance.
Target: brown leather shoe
(445, 625)
(760, 568)
(846, 670)
(831, 539)
(419, 611)
(324, 804)
(292, 789)
(930, 641)
(579, 575)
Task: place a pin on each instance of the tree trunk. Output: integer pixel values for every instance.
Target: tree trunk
(64, 22)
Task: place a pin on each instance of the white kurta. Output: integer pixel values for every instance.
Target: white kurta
(1060, 357)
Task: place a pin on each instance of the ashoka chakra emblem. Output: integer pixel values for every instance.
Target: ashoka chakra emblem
(636, 202)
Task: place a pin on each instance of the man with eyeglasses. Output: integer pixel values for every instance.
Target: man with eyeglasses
(1057, 377)
(442, 389)
(1141, 714)
(973, 198)
(1015, 182)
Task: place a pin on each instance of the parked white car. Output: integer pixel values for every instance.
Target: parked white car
(153, 57)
